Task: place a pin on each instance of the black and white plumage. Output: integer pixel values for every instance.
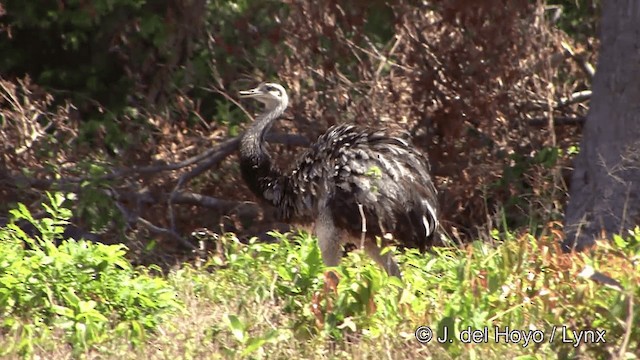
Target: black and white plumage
(348, 173)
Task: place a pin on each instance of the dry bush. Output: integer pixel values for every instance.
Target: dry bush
(465, 78)
(33, 132)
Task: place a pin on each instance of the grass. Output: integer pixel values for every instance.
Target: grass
(276, 301)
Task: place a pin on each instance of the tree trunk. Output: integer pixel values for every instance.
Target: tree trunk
(605, 186)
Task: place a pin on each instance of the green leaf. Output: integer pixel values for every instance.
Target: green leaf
(62, 311)
(22, 213)
(237, 327)
(619, 241)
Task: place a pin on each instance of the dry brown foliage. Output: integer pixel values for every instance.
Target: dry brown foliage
(27, 118)
(479, 85)
(464, 78)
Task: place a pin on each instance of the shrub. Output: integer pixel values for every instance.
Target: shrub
(86, 289)
(520, 282)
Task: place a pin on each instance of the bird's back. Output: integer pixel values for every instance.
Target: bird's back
(348, 166)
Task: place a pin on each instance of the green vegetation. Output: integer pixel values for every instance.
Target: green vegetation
(88, 291)
(103, 102)
(250, 300)
(577, 18)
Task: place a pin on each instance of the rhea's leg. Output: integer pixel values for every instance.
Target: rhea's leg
(328, 239)
(385, 260)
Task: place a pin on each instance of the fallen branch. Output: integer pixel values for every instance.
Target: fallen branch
(213, 156)
(557, 121)
(189, 198)
(575, 98)
(223, 151)
(206, 160)
(145, 197)
(136, 219)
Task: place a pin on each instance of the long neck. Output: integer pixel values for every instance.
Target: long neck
(255, 162)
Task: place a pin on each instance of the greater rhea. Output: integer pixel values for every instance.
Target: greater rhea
(354, 184)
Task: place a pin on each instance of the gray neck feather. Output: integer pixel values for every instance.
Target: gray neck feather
(251, 144)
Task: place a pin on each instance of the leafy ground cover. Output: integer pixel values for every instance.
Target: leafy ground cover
(256, 300)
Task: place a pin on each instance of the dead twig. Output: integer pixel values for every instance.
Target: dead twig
(628, 328)
(136, 219)
(363, 230)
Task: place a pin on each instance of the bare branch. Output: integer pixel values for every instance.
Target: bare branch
(222, 152)
(144, 197)
(190, 198)
(213, 156)
(163, 231)
(134, 218)
(557, 121)
(168, 167)
(577, 97)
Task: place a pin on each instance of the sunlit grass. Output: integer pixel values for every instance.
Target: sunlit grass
(276, 299)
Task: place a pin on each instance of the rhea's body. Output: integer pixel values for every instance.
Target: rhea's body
(348, 179)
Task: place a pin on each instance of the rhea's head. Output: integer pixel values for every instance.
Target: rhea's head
(272, 95)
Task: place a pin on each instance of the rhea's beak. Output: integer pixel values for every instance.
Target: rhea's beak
(250, 93)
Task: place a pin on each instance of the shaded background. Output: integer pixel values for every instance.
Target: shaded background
(132, 105)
